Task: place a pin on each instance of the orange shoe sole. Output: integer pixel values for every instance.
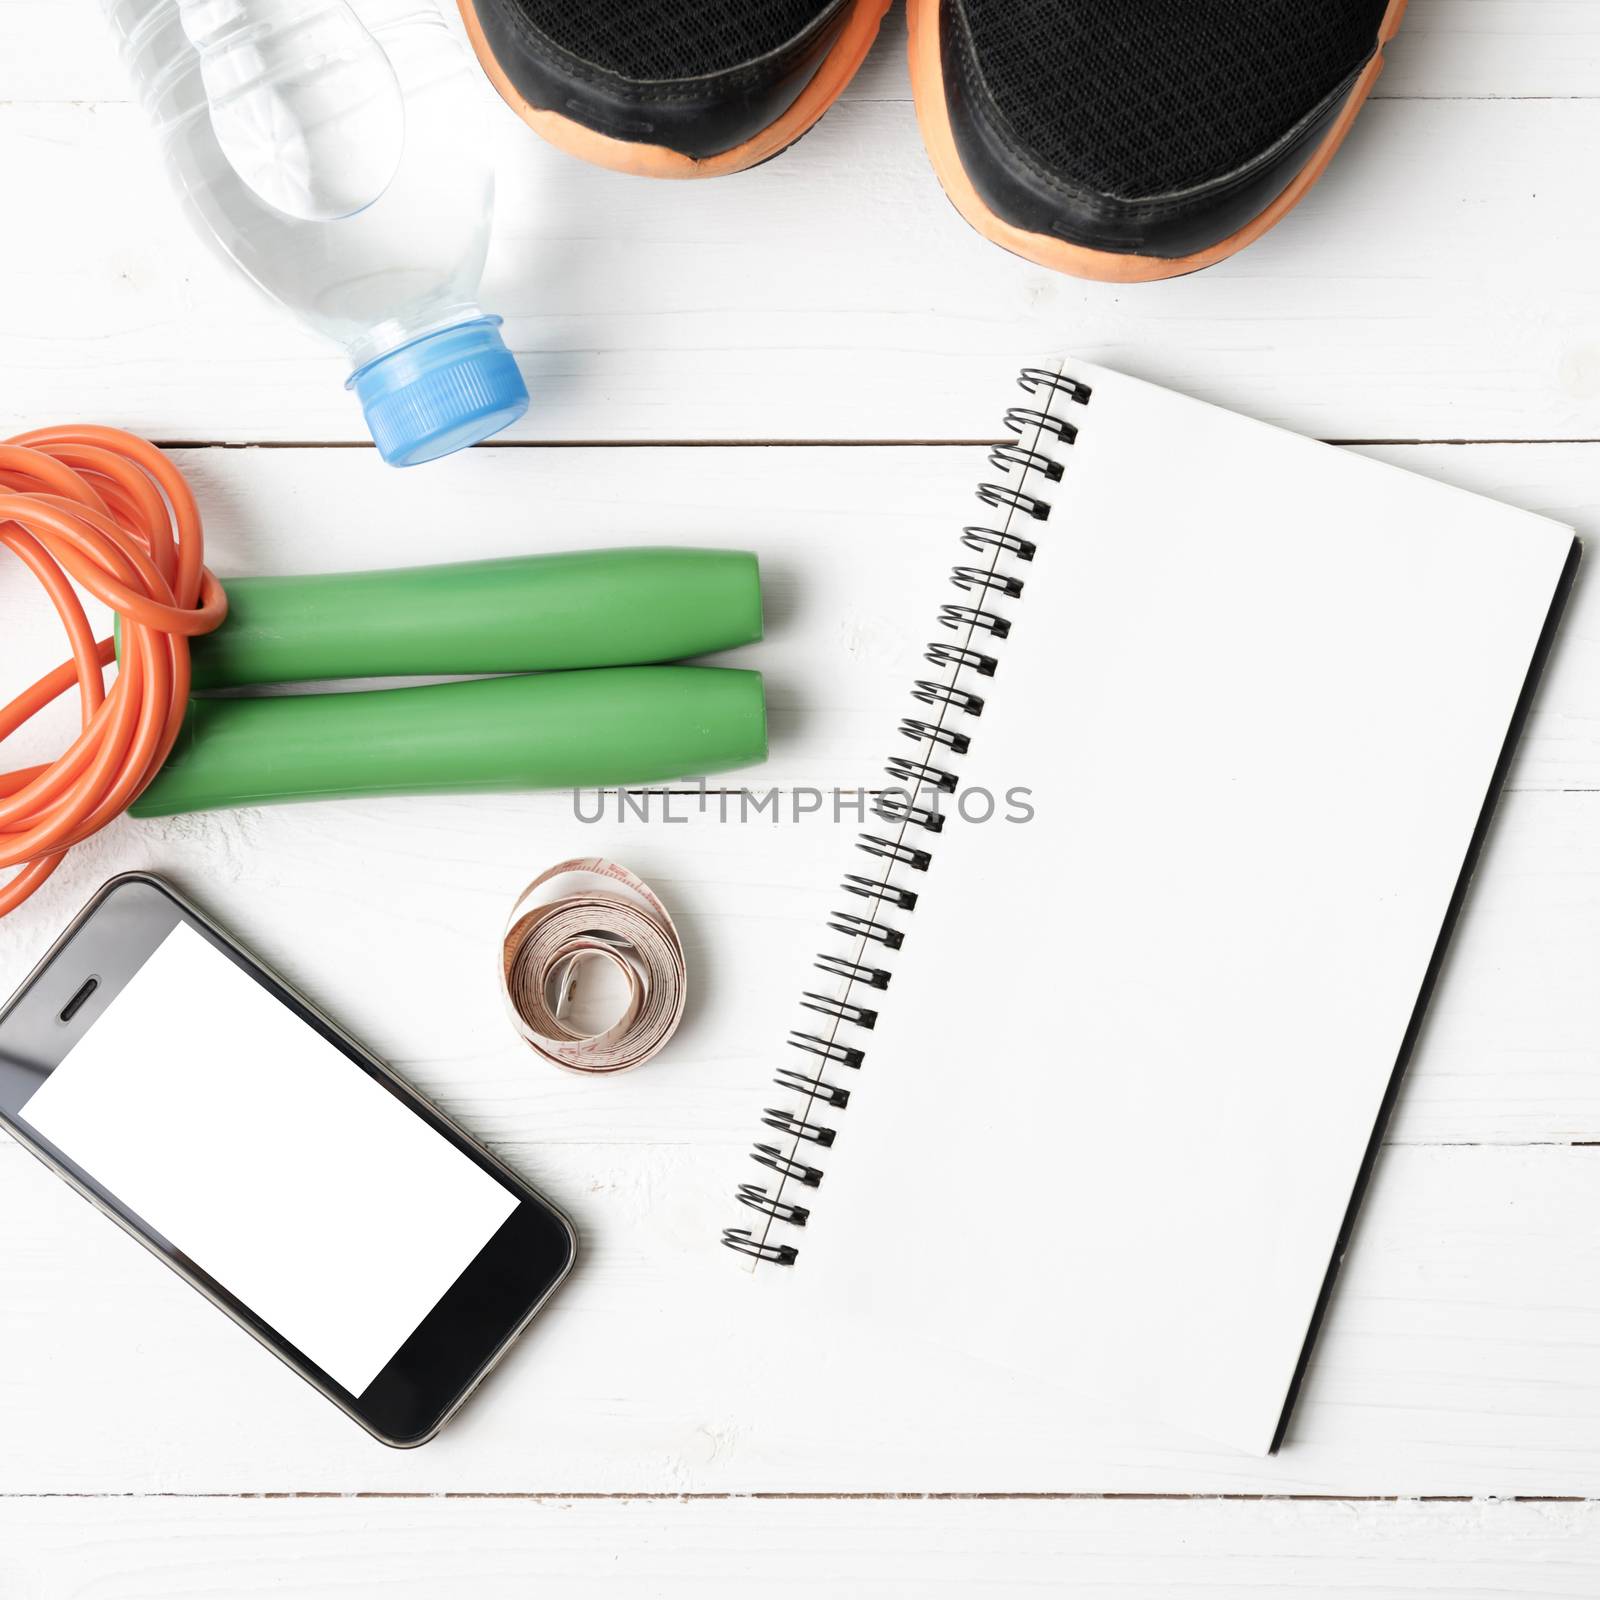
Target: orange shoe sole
(1109, 266)
(838, 67)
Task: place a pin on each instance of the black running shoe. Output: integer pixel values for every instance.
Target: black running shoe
(672, 88)
(1138, 139)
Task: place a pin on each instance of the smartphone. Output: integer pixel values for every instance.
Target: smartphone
(215, 1114)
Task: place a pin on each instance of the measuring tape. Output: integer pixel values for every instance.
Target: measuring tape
(583, 911)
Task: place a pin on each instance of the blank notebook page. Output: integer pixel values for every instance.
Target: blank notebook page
(1134, 1050)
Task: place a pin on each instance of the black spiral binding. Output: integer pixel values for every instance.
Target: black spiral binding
(1030, 461)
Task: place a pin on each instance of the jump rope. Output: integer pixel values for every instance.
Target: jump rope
(108, 512)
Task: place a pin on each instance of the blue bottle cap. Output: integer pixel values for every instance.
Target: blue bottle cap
(441, 392)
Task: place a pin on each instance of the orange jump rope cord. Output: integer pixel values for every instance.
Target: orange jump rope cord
(107, 511)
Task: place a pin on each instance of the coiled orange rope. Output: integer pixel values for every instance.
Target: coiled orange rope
(107, 511)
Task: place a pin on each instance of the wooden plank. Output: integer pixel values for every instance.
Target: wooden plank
(1458, 1359)
(856, 546)
(854, 543)
(1460, 1349)
(791, 1550)
(388, 914)
(1493, 48)
(1439, 283)
(1487, 49)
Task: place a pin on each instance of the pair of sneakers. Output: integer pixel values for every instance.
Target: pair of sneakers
(1115, 139)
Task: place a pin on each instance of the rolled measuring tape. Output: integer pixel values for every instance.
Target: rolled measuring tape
(584, 911)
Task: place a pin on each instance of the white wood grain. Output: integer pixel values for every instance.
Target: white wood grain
(855, 544)
(1489, 49)
(793, 1550)
(856, 547)
(1458, 1359)
(388, 914)
(1441, 282)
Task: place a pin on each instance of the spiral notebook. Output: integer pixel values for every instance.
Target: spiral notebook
(1178, 825)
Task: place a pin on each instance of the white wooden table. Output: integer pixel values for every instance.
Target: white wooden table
(798, 360)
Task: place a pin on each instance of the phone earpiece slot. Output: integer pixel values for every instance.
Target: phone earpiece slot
(79, 1000)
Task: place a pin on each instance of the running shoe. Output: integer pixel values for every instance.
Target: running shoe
(1137, 139)
(672, 88)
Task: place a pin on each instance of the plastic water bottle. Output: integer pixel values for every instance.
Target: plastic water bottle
(336, 154)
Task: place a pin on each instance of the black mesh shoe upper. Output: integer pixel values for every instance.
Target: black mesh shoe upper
(1140, 97)
(1137, 111)
(657, 40)
(699, 77)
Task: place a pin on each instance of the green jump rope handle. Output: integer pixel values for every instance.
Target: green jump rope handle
(594, 608)
(562, 730)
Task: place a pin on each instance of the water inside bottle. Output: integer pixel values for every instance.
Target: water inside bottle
(304, 102)
(335, 152)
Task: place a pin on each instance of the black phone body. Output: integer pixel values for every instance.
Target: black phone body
(401, 1383)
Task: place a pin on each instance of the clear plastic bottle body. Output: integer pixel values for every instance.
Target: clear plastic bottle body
(336, 154)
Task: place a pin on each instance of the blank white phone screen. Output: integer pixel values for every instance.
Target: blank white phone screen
(269, 1159)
